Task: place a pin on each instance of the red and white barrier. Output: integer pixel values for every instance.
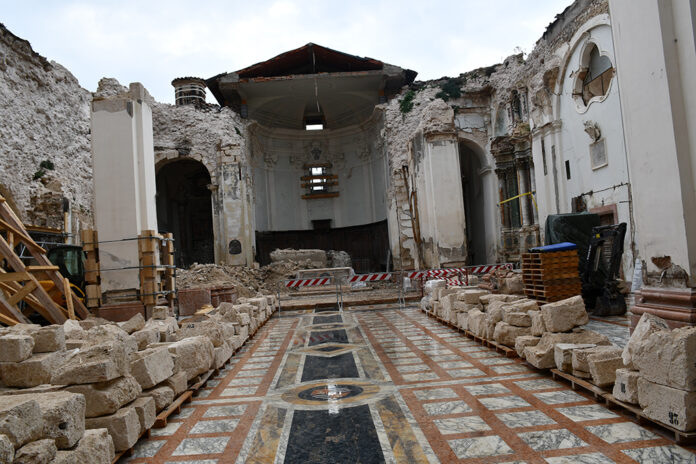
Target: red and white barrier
(307, 282)
(444, 273)
(370, 277)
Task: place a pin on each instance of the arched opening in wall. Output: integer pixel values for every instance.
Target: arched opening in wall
(594, 76)
(184, 208)
(474, 204)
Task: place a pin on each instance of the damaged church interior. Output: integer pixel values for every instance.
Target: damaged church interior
(321, 258)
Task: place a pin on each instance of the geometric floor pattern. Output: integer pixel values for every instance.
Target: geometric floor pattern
(391, 386)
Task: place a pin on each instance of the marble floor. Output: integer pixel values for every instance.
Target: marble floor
(390, 385)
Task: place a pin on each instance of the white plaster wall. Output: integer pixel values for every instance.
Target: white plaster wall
(654, 44)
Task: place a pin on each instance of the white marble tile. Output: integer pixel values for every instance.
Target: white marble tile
(590, 458)
(455, 364)
(246, 381)
(420, 376)
(435, 393)
(545, 440)
(560, 397)
(214, 426)
(167, 430)
(510, 369)
(402, 361)
(486, 389)
(538, 384)
(204, 445)
(524, 419)
(671, 454)
(461, 373)
(442, 408)
(587, 413)
(479, 447)
(495, 361)
(461, 425)
(413, 368)
(239, 391)
(622, 432)
(146, 448)
(447, 357)
(504, 402)
(485, 354)
(225, 411)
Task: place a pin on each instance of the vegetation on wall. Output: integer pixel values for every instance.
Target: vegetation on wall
(46, 165)
(406, 103)
(449, 89)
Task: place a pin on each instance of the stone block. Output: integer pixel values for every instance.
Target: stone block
(462, 319)
(95, 447)
(20, 419)
(15, 347)
(208, 328)
(222, 355)
(525, 306)
(563, 354)
(166, 327)
(163, 396)
(603, 366)
(111, 333)
(564, 315)
(538, 327)
(495, 313)
(518, 319)
(133, 324)
(431, 287)
(177, 382)
(523, 342)
(580, 356)
(437, 308)
(507, 334)
(105, 398)
(542, 354)
(73, 330)
(6, 449)
(147, 412)
(161, 313)
(489, 298)
(671, 406)
(488, 329)
(151, 366)
(146, 336)
(98, 363)
(475, 321)
(193, 355)
(36, 452)
(668, 358)
(581, 374)
(647, 325)
(471, 296)
(626, 386)
(46, 339)
(34, 371)
(123, 426)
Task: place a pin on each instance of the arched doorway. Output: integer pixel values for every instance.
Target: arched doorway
(184, 208)
(474, 207)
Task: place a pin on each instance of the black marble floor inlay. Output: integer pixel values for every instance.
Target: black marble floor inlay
(328, 336)
(348, 436)
(327, 319)
(337, 367)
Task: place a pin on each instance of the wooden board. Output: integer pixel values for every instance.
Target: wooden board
(174, 408)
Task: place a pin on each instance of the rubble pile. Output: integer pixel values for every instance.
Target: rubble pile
(84, 390)
(248, 282)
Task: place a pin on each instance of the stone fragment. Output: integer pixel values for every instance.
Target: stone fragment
(20, 419)
(488, 329)
(177, 382)
(111, 333)
(475, 321)
(518, 319)
(507, 334)
(626, 386)
(580, 356)
(222, 355)
(523, 342)
(105, 398)
(524, 306)
(207, 328)
(63, 416)
(563, 315)
(98, 363)
(603, 366)
(15, 347)
(489, 298)
(671, 406)
(471, 296)
(495, 313)
(151, 366)
(37, 452)
(538, 327)
(34, 371)
(146, 336)
(73, 330)
(72, 344)
(166, 328)
(6, 449)
(160, 313)
(147, 412)
(123, 426)
(163, 396)
(432, 285)
(563, 354)
(46, 339)
(95, 447)
(133, 324)
(581, 374)
(462, 320)
(541, 355)
(647, 325)
(193, 355)
(669, 358)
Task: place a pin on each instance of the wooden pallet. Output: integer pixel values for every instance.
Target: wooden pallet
(174, 408)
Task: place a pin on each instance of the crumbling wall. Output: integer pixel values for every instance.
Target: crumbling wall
(45, 145)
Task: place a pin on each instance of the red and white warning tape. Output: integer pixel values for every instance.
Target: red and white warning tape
(370, 277)
(444, 273)
(307, 282)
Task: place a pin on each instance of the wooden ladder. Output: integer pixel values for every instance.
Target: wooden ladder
(20, 283)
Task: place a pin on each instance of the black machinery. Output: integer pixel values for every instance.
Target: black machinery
(600, 277)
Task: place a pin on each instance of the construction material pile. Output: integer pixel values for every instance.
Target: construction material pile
(84, 390)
